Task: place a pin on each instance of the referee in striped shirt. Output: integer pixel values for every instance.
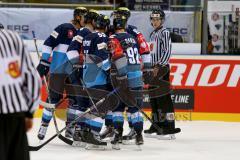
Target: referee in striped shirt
(19, 96)
(162, 106)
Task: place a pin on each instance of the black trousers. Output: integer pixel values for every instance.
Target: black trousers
(162, 106)
(13, 138)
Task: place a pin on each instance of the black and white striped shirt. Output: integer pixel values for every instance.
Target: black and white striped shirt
(162, 46)
(19, 81)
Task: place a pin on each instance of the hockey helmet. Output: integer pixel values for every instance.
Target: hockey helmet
(157, 13)
(91, 16)
(124, 11)
(80, 11)
(102, 21)
(119, 22)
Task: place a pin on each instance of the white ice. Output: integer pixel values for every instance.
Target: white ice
(199, 140)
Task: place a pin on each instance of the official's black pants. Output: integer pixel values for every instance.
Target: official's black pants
(162, 106)
(13, 138)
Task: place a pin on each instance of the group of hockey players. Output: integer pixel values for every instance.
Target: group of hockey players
(97, 55)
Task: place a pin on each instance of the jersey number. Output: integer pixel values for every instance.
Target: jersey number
(133, 56)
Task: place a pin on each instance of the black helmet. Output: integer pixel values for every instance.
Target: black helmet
(102, 22)
(157, 13)
(119, 22)
(80, 11)
(124, 11)
(91, 16)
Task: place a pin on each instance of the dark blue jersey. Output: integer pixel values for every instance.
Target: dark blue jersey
(144, 50)
(75, 48)
(57, 44)
(96, 59)
(126, 57)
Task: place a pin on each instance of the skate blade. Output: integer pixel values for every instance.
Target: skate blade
(107, 139)
(166, 137)
(161, 137)
(98, 147)
(116, 146)
(128, 142)
(79, 144)
(154, 135)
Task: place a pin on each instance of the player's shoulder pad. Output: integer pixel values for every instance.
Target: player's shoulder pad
(84, 29)
(131, 27)
(81, 33)
(132, 30)
(62, 28)
(66, 26)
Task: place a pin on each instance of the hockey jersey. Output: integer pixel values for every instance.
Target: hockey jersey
(126, 58)
(75, 48)
(96, 59)
(56, 45)
(144, 50)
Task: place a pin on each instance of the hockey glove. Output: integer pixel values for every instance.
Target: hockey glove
(43, 67)
(147, 76)
(122, 82)
(124, 91)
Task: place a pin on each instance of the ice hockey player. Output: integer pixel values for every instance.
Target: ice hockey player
(126, 71)
(162, 106)
(75, 57)
(146, 59)
(56, 45)
(95, 76)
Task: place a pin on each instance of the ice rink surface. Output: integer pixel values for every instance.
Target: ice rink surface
(199, 140)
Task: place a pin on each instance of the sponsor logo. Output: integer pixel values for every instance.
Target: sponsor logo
(205, 75)
(183, 98)
(19, 28)
(180, 31)
(14, 69)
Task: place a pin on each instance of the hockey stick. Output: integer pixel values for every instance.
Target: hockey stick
(45, 82)
(68, 141)
(36, 148)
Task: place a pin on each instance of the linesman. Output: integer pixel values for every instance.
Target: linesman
(19, 96)
(162, 106)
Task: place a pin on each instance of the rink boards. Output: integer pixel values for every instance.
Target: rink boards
(204, 87)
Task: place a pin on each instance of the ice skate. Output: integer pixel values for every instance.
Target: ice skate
(78, 139)
(168, 134)
(151, 132)
(107, 133)
(139, 141)
(128, 139)
(94, 141)
(117, 138)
